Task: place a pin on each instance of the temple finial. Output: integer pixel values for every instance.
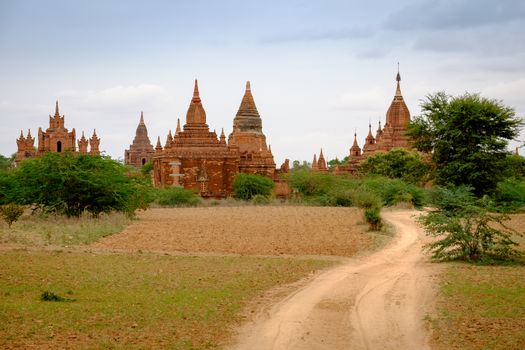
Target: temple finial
(141, 117)
(56, 109)
(177, 131)
(94, 132)
(398, 77)
(248, 87)
(196, 89)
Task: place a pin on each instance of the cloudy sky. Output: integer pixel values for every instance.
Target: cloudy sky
(319, 69)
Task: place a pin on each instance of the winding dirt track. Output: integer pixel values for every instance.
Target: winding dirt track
(376, 302)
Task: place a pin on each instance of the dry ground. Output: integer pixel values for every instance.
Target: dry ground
(247, 230)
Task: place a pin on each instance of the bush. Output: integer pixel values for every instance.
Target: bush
(71, 184)
(259, 199)
(11, 213)
(466, 229)
(246, 186)
(176, 196)
(310, 183)
(373, 218)
(397, 164)
(510, 195)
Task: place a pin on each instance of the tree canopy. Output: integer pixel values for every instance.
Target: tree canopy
(467, 136)
(396, 164)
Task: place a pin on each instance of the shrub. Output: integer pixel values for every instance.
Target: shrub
(466, 229)
(176, 196)
(397, 164)
(311, 184)
(373, 218)
(246, 186)
(510, 195)
(259, 199)
(11, 213)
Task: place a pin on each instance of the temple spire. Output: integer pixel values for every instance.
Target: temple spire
(398, 79)
(196, 95)
(57, 113)
(177, 131)
(248, 88)
(141, 118)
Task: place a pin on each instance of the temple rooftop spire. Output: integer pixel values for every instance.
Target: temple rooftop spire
(196, 96)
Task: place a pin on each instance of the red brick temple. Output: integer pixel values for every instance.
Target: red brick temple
(141, 150)
(56, 138)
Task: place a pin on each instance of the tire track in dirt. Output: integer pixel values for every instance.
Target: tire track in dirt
(373, 302)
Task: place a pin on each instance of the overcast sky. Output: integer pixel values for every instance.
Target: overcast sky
(318, 69)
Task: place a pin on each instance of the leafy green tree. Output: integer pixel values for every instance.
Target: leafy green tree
(11, 213)
(246, 186)
(397, 164)
(466, 229)
(336, 161)
(6, 162)
(298, 165)
(70, 184)
(467, 137)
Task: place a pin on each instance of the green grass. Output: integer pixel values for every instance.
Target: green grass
(481, 307)
(132, 301)
(34, 230)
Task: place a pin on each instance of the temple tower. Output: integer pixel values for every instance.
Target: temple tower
(141, 150)
(255, 156)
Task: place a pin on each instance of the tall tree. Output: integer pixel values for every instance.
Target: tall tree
(467, 136)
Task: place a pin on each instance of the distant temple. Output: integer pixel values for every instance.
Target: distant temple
(141, 150)
(196, 158)
(56, 138)
(392, 135)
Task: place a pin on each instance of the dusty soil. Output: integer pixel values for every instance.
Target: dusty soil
(374, 302)
(249, 230)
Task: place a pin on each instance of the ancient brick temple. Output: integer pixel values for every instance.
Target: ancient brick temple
(255, 156)
(392, 135)
(56, 138)
(141, 150)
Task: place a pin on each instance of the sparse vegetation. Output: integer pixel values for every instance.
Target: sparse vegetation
(11, 212)
(133, 300)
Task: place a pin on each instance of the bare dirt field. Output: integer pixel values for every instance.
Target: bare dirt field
(249, 230)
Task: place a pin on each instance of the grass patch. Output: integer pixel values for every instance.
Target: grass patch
(132, 301)
(35, 230)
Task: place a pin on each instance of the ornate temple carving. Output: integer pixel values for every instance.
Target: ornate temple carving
(56, 138)
(141, 150)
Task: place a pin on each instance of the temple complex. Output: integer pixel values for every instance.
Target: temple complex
(56, 138)
(141, 150)
(392, 135)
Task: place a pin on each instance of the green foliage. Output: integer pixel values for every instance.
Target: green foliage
(176, 197)
(246, 186)
(334, 162)
(6, 163)
(510, 194)
(397, 164)
(467, 137)
(11, 212)
(373, 218)
(69, 184)
(328, 190)
(147, 168)
(298, 165)
(514, 166)
(466, 229)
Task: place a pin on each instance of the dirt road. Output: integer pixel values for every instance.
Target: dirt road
(375, 302)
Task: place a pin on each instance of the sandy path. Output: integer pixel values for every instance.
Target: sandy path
(375, 302)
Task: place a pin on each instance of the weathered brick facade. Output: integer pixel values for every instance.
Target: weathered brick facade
(141, 150)
(198, 159)
(56, 138)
